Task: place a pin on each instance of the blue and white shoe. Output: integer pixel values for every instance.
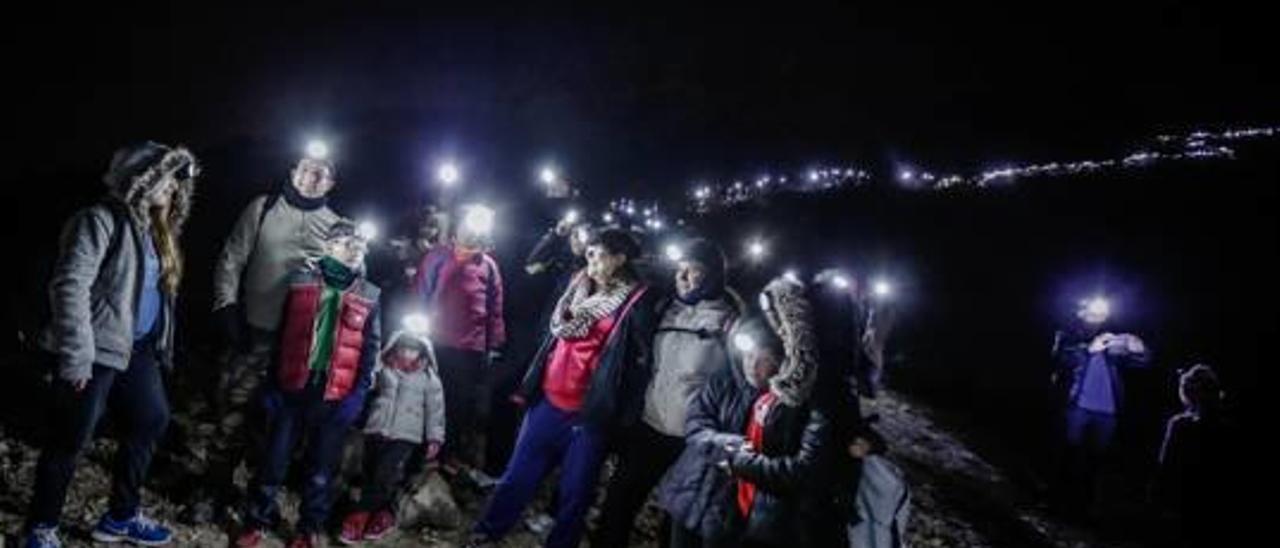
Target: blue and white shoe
(139, 529)
(42, 537)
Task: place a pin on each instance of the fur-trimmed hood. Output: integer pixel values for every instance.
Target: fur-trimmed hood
(136, 171)
(791, 317)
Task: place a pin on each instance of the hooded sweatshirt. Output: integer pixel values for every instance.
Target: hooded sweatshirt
(408, 404)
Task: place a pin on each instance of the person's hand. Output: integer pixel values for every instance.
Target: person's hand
(77, 378)
(734, 453)
(724, 445)
(433, 450)
(349, 409)
(740, 455)
(1135, 345)
(728, 442)
(739, 447)
(1100, 343)
(230, 325)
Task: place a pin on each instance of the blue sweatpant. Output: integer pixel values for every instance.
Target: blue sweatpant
(548, 437)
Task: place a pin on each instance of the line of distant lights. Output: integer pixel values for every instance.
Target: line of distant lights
(1196, 145)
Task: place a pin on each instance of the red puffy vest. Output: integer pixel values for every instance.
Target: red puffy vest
(298, 336)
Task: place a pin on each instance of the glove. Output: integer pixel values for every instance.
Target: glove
(349, 408)
(229, 324)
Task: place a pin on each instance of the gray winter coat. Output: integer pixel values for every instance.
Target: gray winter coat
(407, 406)
(94, 294)
(688, 348)
(95, 285)
(258, 257)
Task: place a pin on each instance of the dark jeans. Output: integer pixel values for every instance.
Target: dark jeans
(549, 437)
(462, 373)
(320, 422)
(1088, 436)
(684, 538)
(384, 462)
(136, 398)
(504, 418)
(644, 455)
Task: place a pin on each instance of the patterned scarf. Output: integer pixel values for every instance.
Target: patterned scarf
(578, 309)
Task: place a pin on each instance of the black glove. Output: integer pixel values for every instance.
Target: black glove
(230, 326)
(349, 409)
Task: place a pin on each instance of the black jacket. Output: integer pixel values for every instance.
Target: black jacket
(789, 472)
(555, 255)
(559, 263)
(616, 395)
(837, 324)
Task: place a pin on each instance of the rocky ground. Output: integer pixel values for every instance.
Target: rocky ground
(959, 499)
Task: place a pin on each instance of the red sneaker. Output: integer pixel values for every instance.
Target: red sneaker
(305, 540)
(353, 528)
(382, 524)
(249, 538)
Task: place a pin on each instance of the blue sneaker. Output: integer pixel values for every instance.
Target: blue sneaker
(139, 529)
(42, 537)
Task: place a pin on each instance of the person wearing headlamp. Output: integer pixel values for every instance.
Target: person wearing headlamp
(585, 383)
(753, 471)
(275, 235)
(461, 286)
(329, 341)
(1089, 371)
(111, 332)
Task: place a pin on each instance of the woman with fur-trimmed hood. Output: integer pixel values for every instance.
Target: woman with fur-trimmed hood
(757, 447)
(111, 332)
(790, 314)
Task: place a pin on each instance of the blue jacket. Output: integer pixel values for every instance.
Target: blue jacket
(1072, 357)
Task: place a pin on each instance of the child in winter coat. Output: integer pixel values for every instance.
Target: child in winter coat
(328, 351)
(407, 414)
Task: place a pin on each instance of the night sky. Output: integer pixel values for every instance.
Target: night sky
(642, 100)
